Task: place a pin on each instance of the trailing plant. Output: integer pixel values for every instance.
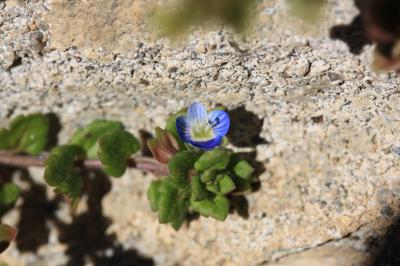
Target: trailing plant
(202, 172)
(197, 171)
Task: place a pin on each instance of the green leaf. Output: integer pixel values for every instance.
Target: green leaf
(243, 169)
(115, 148)
(4, 145)
(60, 172)
(153, 194)
(214, 188)
(215, 159)
(88, 136)
(9, 193)
(182, 163)
(171, 200)
(225, 183)
(167, 202)
(27, 134)
(199, 191)
(180, 214)
(214, 206)
(208, 176)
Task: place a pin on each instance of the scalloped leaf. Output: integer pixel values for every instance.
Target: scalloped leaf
(181, 210)
(170, 199)
(216, 206)
(208, 176)
(225, 184)
(214, 188)
(9, 193)
(60, 170)
(173, 204)
(199, 191)
(182, 163)
(88, 136)
(243, 169)
(153, 194)
(27, 134)
(215, 159)
(114, 149)
(166, 204)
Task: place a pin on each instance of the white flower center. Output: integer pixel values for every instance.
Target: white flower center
(201, 131)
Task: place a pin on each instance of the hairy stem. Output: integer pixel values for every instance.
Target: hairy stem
(141, 163)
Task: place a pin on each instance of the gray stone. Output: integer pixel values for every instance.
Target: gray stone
(329, 124)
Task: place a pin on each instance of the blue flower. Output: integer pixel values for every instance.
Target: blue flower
(201, 129)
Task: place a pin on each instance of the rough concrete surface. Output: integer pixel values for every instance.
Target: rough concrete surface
(327, 133)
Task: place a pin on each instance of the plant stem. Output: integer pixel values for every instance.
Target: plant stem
(141, 163)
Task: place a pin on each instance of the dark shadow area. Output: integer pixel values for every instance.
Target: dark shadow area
(190, 217)
(3, 246)
(239, 203)
(245, 128)
(36, 212)
(381, 19)
(378, 22)
(86, 237)
(244, 132)
(6, 174)
(352, 34)
(54, 129)
(123, 257)
(387, 248)
(259, 167)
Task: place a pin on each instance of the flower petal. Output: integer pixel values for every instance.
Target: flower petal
(220, 122)
(183, 128)
(197, 113)
(207, 145)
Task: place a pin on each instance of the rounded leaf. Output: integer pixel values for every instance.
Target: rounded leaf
(214, 206)
(9, 193)
(27, 134)
(88, 136)
(60, 170)
(215, 159)
(115, 148)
